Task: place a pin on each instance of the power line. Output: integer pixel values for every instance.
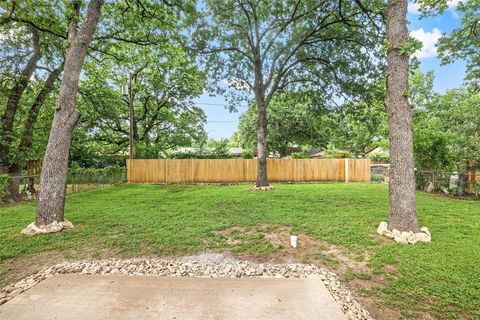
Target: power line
(217, 104)
(220, 121)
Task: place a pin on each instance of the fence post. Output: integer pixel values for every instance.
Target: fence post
(347, 171)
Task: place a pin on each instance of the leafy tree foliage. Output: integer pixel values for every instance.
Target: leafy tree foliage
(447, 132)
(165, 82)
(118, 47)
(361, 125)
(293, 119)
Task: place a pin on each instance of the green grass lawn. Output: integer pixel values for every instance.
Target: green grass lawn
(441, 278)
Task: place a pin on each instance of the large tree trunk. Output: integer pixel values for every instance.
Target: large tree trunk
(13, 102)
(15, 167)
(402, 210)
(262, 180)
(55, 163)
(26, 140)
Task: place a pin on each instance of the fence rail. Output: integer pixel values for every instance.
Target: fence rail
(245, 170)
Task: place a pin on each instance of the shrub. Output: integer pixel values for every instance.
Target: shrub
(331, 152)
(247, 154)
(301, 155)
(381, 157)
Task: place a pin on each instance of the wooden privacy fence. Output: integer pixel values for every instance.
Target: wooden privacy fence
(34, 167)
(245, 170)
(473, 177)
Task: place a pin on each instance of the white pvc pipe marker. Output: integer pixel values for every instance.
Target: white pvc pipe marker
(293, 241)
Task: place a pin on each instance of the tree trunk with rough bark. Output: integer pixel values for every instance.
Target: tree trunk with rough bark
(13, 102)
(26, 140)
(53, 181)
(15, 167)
(262, 179)
(402, 205)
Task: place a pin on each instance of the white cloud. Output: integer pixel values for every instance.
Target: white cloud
(452, 4)
(413, 8)
(429, 41)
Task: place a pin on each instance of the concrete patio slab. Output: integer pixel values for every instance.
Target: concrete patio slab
(126, 297)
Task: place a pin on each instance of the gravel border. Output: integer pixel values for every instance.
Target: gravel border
(206, 265)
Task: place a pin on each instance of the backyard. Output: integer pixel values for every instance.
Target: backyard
(336, 224)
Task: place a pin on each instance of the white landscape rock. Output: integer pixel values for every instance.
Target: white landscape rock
(263, 188)
(404, 236)
(55, 226)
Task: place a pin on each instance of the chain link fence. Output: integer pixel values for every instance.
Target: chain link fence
(451, 183)
(441, 182)
(13, 189)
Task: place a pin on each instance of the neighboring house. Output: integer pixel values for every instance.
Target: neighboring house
(237, 152)
(322, 153)
(315, 150)
(318, 155)
(287, 155)
(188, 150)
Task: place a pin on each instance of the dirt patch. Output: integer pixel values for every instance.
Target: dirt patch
(308, 249)
(345, 262)
(353, 269)
(13, 270)
(376, 310)
(276, 238)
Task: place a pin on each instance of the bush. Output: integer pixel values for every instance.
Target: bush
(380, 157)
(3, 185)
(301, 155)
(143, 151)
(331, 152)
(247, 154)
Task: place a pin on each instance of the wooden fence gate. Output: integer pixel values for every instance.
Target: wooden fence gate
(245, 170)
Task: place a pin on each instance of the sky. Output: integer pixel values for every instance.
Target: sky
(222, 124)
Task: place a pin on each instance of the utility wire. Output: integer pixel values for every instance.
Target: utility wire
(195, 103)
(217, 104)
(220, 121)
